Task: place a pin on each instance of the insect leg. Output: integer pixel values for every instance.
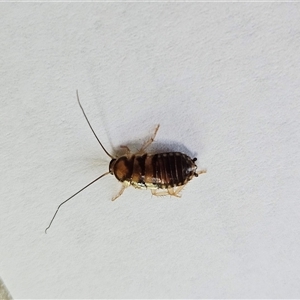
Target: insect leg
(175, 191)
(171, 191)
(201, 172)
(149, 142)
(126, 149)
(119, 194)
(160, 193)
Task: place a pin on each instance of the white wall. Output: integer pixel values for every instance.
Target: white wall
(222, 80)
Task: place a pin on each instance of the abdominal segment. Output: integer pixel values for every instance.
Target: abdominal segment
(161, 171)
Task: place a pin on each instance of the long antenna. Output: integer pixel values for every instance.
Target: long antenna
(92, 127)
(74, 196)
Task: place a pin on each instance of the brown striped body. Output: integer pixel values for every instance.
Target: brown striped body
(168, 172)
(157, 171)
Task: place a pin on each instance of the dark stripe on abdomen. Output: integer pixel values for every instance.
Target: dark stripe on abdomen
(169, 169)
(141, 162)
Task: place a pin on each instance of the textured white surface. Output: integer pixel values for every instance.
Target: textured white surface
(222, 79)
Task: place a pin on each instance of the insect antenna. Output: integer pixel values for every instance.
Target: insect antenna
(92, 127)
(72, 197)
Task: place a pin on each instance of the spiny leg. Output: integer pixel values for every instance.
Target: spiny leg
(119, 194)
(149, 142)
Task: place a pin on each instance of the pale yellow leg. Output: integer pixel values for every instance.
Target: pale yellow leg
(171, 191)
(201, 172)
(159, 193)
(175, 191)
(149, 142)
(119, 194)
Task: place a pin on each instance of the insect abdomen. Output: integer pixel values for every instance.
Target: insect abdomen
(163, 170)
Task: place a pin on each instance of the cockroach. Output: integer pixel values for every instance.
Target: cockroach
(163, 173)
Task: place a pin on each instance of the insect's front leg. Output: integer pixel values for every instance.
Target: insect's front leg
(119, 194)
(124, 186)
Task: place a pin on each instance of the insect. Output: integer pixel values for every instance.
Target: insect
(162, 173)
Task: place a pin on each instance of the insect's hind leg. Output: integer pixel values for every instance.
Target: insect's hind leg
(175, 191)
(149, 142)
(200, 172)
(160, 193)
(171, 191)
